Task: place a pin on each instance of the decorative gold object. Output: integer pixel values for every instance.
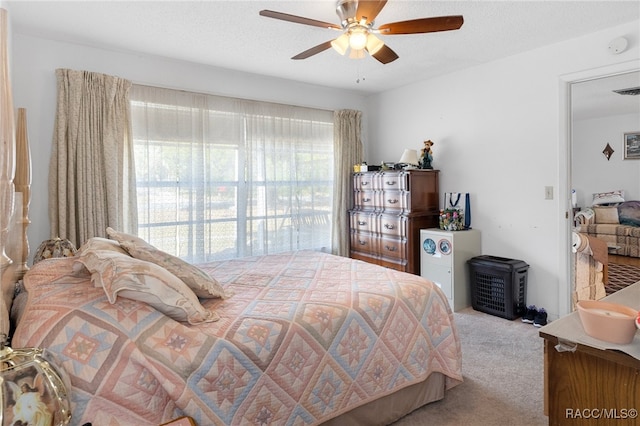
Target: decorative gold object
(32, 392)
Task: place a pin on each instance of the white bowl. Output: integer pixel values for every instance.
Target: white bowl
(610, 322)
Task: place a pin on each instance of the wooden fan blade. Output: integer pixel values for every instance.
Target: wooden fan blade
(298, 19)
(385, 55)
(369, 10)
(314, 50)
(424, 25)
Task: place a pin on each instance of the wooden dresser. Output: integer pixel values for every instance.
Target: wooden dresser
(390, 208)
(591, 382)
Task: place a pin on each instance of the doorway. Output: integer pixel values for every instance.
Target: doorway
(598, 118)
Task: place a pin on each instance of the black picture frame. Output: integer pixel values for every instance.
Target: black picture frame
(631, 146)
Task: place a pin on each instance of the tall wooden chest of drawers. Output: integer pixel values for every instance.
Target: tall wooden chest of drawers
(390, 208)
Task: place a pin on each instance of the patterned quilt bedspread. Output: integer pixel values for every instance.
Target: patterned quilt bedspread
(305, 337)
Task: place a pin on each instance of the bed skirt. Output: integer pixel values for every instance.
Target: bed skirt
(391, 408)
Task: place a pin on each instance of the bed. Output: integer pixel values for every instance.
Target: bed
(296, 338)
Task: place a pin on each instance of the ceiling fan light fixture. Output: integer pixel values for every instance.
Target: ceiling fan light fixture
(358, 38)
(356, 54)
(357, 23)
(341, 44)
(374, 44)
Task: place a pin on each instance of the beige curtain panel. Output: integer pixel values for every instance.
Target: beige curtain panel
(91, 175)
(347, 152)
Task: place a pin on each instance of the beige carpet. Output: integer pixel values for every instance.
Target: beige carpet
(503, 376)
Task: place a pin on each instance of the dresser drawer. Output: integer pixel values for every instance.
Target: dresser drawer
(366, 199)
(392, 225)
(393, 248)
(364, 181)
(363, 242)
(363, 221)
(394, 200)
(393, 181)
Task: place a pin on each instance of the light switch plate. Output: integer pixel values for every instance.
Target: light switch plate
(548, 192)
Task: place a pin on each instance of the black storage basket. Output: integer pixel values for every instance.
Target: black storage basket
(498, 285)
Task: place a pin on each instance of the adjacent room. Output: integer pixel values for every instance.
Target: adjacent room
(319, 212)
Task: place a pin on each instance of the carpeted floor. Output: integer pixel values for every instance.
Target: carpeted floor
(502, 366)
(621, 276)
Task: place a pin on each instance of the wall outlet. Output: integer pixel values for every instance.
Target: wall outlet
(548, 192)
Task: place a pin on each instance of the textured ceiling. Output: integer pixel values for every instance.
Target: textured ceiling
(231, 34)
(595, 98)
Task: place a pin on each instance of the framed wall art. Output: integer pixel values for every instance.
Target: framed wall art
(632, 146)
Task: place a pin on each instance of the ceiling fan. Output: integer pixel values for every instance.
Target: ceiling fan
(358, 31)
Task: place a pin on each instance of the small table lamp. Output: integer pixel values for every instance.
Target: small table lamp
(409, 158)
(56, 247)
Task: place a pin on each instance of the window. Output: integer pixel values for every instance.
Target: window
(219, 178)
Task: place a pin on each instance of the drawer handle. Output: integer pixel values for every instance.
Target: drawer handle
(391, 182)
(386, 225)
(365, 183)
(366, 200)
(362, 243)
(392, 201)
(391, 248)
(361, 223)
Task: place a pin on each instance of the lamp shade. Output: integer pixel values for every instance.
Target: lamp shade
(341, 44)
(358, 38)
(409, 156)
(356, 54)
(56, 247)
(374, 44)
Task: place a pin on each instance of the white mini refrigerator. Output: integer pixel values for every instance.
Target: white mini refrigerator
(443, 260)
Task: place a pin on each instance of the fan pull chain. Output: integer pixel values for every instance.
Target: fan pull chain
(359, 77)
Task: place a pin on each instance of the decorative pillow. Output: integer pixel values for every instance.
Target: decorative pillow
(606, 215)
(98, 243)
(612, 197)
(122, 275)
(629, 213)
(198, 280)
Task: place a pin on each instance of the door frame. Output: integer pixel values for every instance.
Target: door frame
(564, 162)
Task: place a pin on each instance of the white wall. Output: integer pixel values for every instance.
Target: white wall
(591, 171)
(498, 135)
(34, 87)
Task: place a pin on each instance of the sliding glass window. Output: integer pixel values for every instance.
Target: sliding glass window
(220, 178)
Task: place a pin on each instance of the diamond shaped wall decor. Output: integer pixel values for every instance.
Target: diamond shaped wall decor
(608, 151)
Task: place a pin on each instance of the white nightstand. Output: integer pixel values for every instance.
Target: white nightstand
(443, 260)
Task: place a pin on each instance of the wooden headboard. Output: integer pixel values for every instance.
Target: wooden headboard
(15, 195)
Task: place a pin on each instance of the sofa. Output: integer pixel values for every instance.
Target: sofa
(618, 225)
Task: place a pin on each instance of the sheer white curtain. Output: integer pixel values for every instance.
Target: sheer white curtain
(348, 151)
(219, 177)
(91, 174)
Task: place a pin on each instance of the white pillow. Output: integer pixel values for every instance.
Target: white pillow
(98, 243)
(610, 197)
(198, 280)
(122, 275)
